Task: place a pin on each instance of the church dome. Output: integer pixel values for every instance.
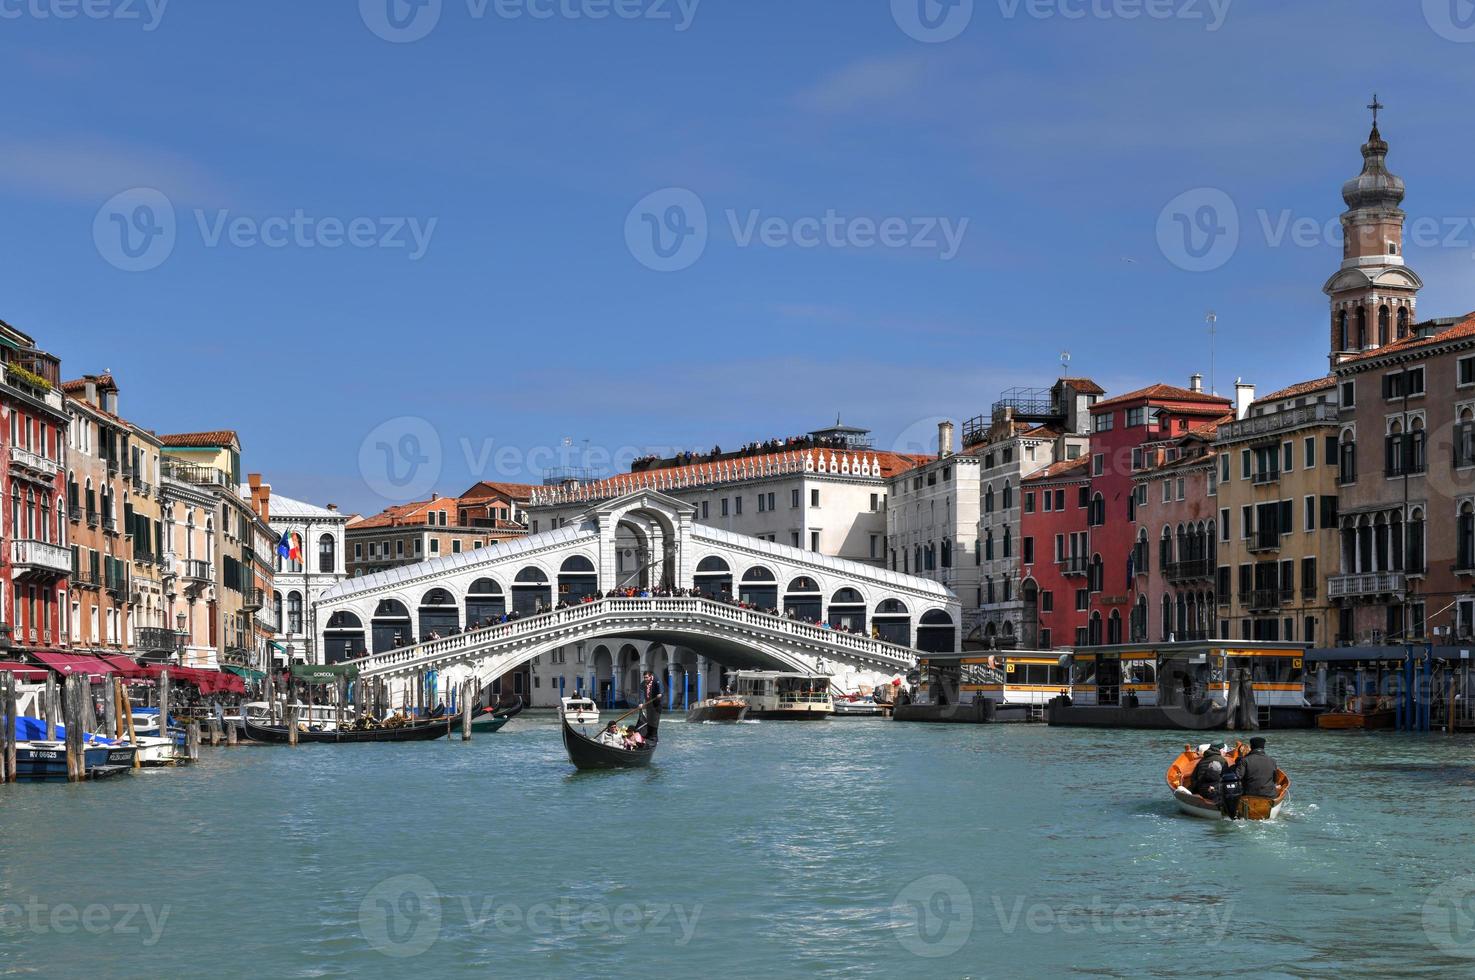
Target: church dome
(1375, 187)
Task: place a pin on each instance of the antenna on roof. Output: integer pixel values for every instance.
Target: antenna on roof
(1212, 319)
(1065, 364)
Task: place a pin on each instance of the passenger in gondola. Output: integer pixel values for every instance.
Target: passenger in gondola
(1257, 770)
(650, 694)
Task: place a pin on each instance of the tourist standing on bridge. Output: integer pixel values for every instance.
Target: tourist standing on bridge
(650, 696)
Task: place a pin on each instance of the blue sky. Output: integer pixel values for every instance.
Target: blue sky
(527, 313)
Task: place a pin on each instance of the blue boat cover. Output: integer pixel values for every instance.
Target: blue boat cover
(29, 729)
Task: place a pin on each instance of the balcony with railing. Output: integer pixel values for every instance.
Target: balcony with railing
(254, 600)
(40, 557)
(1193, 570)
(154, 639)
(1074, 565)
(1262, 541)
(1264, 425)
(1264, 478)
(196, 474)
(118, 580)
(1367, 585)
(34, 462)
(196, 570)
(109, 523)
(93, 517)
(1272, 598)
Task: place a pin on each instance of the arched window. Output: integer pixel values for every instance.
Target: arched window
(1361, 327)
(1342, 331)
(276, 611)
(947, 553)
(935, 631)
(1008, 542)
(438, 614)
(713, 578)
(988, 545)
(1008, 495)
(1167, 622)
(1383, 324)
(1415, 552)
(485, 603)
(1402, 322)
(531, 592)
(759, 588)
(327, 554)
(294, 613)
(1466, 534)
(988, 500)
(892, 622)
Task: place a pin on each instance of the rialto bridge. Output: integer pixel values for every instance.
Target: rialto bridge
(499, 607)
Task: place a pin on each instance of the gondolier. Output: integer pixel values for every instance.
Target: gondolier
(650, 695)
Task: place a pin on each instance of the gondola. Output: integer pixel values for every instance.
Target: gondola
(489, 720)
(419, 732)
(588, 753)
(1250, 808)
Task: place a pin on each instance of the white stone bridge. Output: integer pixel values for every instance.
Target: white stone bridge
(645, 540)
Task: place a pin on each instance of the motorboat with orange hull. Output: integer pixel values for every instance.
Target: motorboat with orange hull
(1250, 807)
(1360, 714)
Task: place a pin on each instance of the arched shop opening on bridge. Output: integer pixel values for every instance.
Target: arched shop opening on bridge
(577, 579)
(485, 602)
(759, 588)
(803, 600)
(531, 591)
(343, 638)
(391, 625)
(893, 622)
(713, 577)
(848, 610)
(935, 632)
(438, 614)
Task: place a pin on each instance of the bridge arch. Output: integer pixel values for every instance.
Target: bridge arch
(935, 631)
(759, 587)
(531, 590)
(438, 614)
(485, 602)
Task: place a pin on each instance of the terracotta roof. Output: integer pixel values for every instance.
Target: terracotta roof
(1161, 392)
(1084, 385)
(1465, 328)
(413, 513)
(1209, 430)
(1297, 390)
(1064, 468)
(515, 491)
(80, 384)
(220, 437)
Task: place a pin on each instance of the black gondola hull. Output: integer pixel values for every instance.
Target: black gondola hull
(587, 753)
(425, 732)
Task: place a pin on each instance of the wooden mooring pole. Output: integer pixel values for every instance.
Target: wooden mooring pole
(466, 687)
(292, 713)
(73, 691)
(7, 720)
(50, 705)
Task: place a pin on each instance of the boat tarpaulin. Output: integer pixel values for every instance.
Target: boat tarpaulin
(208, 681)
(74, 663)
(24, 672)
(323, 673)
(246, 672)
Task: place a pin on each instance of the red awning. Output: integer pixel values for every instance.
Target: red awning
(75, 663)
(208, 681)
(125, 666)
(24, 672)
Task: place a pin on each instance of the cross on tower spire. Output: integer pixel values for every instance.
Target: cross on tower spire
(1375, 107)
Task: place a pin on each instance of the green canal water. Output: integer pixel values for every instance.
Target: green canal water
(852, 848)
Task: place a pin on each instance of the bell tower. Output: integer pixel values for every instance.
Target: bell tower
(1373, 295)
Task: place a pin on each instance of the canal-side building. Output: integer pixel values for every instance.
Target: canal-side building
(1174, 559)
(214, 532)
(1407, 488)
(318, 536)
(149, 629)
(1055, 568)
(497, 506)
(1278, 516)
(35, 563)
(1026, 431)
(1122, 429)
(99, 445)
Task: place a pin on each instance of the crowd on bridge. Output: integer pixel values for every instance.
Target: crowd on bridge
(761, 448)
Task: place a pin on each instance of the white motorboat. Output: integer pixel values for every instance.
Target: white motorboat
(580, 711)
(857, 707)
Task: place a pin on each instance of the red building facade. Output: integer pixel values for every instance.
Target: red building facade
(1056, 551)
(35, 563)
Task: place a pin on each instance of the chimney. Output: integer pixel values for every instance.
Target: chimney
(260, 496)
(944, 438)
(1243, 395)
(1196, 383)
(333, 508)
